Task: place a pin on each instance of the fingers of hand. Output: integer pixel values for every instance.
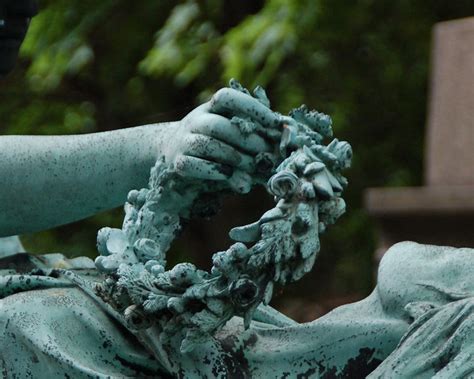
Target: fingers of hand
(240, 182)
(221, 128)
(230, 101)
(248, 126)
(201, 146)
(198, 168)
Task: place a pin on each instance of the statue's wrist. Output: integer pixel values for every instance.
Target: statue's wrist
(166, 135)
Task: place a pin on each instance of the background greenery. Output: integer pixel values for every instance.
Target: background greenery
(89, 66)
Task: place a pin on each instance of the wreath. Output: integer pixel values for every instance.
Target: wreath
(279, 248)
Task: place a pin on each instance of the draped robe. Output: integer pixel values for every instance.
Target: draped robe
(417, 322)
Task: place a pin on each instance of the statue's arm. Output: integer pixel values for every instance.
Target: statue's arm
(47, 181)
(53, 180)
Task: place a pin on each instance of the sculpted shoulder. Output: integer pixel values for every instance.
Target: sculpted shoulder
(410, 272)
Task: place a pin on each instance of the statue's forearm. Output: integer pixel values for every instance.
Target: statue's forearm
(53, 180)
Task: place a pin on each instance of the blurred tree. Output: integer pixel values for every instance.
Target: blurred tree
(89, 66)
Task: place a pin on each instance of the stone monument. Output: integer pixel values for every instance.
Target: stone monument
(442, 211)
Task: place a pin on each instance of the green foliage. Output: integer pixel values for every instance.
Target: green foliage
(183, 47)
(58, 41)
(255, 49)
(90, 66)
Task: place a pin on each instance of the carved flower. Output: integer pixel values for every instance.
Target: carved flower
(111, 241)
(283, 184)
(243, 292)
(184, 274)
(223, 263)
(343, 151)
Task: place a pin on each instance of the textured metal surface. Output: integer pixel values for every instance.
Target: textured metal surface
(62, 318)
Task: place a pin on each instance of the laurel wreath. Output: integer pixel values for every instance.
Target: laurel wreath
(279, 248)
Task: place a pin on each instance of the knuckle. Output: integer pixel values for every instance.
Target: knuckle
(201, 122)
(222, 96)
(199, 142)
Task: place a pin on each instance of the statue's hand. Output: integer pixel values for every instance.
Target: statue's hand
(220, 139)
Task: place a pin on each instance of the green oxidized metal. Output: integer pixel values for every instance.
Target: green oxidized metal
(281, 247)
(129, 315)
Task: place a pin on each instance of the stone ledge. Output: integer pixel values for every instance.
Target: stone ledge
(420, 200)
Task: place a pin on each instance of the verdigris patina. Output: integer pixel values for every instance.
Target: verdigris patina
(128, 316)
(184, 300)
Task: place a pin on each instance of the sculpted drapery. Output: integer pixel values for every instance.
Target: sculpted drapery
(128, 315)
